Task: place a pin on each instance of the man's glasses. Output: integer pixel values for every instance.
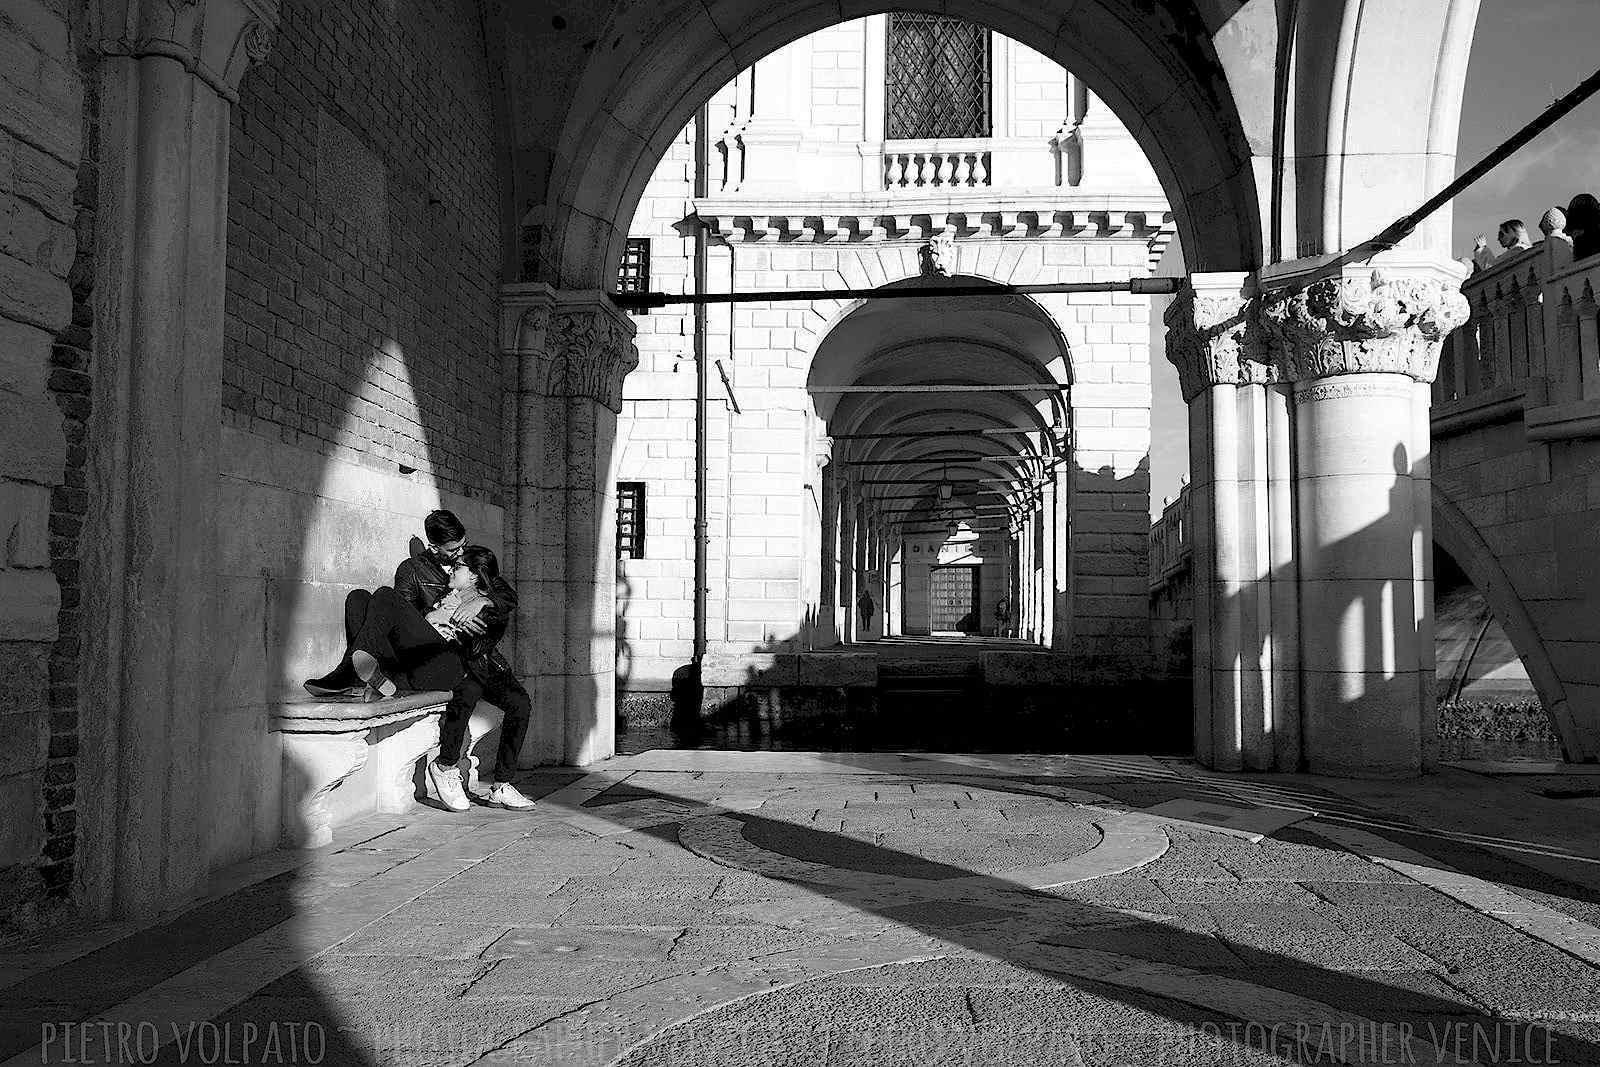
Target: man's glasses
(450, 551)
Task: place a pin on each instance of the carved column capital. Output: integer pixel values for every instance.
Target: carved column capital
(567, 344)
(1355, 324)
(215, 40)
(593, 340)
(1213, 337)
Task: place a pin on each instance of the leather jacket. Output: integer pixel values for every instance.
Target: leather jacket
(422, 583)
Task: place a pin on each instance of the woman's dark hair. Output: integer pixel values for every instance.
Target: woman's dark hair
(442, 527)
(483, 565)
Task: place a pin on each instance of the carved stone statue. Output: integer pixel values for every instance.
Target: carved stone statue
(939, 255)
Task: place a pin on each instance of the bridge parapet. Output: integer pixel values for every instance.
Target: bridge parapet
(1531, 346)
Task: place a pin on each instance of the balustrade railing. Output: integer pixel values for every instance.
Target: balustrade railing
(941, 164)
(1532, 336)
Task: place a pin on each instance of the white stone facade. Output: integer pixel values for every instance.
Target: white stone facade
(796, 189)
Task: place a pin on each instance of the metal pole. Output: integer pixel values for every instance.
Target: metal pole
(1140, 286)
(702, 391)
(992, 431)
(1019, 387)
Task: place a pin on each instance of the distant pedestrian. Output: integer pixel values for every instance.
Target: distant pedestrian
(1002, 616)
(866, 607)
(1583, 225)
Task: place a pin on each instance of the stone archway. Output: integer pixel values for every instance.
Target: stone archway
(1281, 139)
(1012, 469)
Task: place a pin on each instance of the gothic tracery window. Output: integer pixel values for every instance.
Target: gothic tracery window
(937, 78)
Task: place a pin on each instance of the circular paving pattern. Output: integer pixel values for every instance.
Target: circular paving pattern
(1000, 831)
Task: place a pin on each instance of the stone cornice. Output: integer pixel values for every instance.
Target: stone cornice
(215, 40)
(567, 344)
(1355, 324)
(857, 219)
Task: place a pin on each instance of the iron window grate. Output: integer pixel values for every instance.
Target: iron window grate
(630, 520)
(634, 274)
(937, 78)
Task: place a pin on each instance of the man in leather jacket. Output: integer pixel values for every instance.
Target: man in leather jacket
(422, 580)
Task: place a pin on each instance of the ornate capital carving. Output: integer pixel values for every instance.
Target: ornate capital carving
(1213, 339)
(593, 351)
(215, 40)
(566, 344)
(1352, 325)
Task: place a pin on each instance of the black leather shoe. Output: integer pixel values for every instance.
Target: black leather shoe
(339, 681)
(349, 692)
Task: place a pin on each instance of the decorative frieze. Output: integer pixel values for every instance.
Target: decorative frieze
(1352, 325)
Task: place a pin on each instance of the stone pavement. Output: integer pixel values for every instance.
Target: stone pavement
(879, 909)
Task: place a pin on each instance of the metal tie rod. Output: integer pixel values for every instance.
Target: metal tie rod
(1137, 286)
(1020, 387)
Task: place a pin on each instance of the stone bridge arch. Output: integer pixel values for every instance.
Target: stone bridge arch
(1457, 535)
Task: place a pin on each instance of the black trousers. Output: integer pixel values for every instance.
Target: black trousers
(406, 646)
(500, 688)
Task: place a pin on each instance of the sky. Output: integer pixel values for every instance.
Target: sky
(1525, 54)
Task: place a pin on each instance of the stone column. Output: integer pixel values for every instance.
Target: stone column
(817, 574)
(847, 558)
(1061, 633)
(572, 350)
(1049, 505)
(168, 77)
(1245, 630)
(1361, 349)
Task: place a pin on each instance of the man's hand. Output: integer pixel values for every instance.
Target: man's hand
(472, 627)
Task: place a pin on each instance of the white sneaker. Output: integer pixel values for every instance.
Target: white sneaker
(505, 795)
(445, 785)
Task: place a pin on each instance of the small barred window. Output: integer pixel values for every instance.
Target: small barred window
(630, 520)
(634, 274)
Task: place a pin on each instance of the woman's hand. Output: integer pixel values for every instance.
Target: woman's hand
(467, 610)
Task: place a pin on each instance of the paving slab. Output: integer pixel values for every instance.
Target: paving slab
(723, 908)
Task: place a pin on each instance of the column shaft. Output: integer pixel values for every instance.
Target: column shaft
(166, 82)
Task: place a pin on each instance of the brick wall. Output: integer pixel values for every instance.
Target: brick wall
(364, 242)
(40, 476)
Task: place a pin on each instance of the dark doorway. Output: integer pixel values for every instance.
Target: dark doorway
(953, 599)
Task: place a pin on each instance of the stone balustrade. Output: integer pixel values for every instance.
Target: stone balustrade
(1531, 343)
(934, 164)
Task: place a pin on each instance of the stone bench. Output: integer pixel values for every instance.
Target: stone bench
(346, 759)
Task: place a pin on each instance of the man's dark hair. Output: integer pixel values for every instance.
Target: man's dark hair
(442, 527)
(483, 565)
